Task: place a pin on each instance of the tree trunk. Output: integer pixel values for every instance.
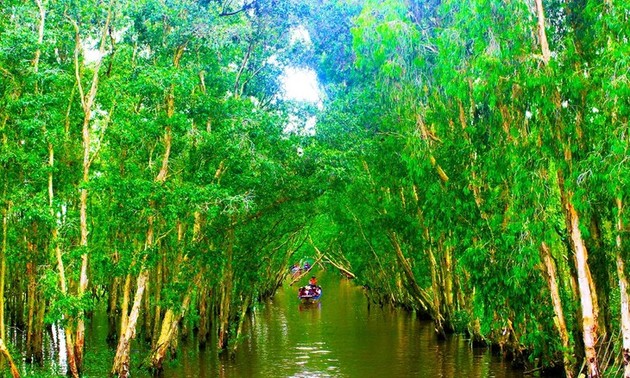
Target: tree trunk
(437, 288)
(31, 293)
(121, 360)
(112, 309)
(168, 332)
(158, 297)
(226, 294)
(588, 306)
(623, 290)
(542, 35)
(38, 339)
(87, 102)
(241, 319)
(15, 373)
(72, 361)
(3, 265)
(124, 307)
(417, 292)
(148, 330)
(202, 334)
(559, 320)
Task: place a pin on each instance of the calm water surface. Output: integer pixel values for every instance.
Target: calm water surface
(338, 337)
(341, 337)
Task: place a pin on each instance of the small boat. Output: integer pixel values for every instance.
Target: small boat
(309, 293)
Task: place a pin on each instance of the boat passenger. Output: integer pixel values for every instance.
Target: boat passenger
(296, 268)
(307, 266)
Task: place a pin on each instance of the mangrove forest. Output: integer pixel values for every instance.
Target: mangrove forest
(467, 162)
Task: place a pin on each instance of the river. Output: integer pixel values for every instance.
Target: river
(341, 337)
(337, 337)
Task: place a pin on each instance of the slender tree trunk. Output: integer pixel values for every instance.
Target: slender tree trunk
(226, 294)
(168, 332)
(148, 330)
(38, 338)
(436, 295)
(87, 102)
(3, 265)
(112, 309)
(158, 297)
(623, 290)
(420, 295)
(589, 319)
(121, 360)
(447, 284)
(124, 308)
(202, 334)
(31, 293)
(542, 35)
(54, 242)
(559, 320)
(15, 373)
(241, 319)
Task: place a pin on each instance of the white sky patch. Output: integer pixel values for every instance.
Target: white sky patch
(91, 54)
(301, 126)
(300, 84)
(300, 34)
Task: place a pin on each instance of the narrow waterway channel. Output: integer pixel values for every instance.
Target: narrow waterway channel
(337, 337)
(341, 337)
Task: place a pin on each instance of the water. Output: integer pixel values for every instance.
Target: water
(341, 337)
(337, 337)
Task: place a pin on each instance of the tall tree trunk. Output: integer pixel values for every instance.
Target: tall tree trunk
(31, 293)
(542, 35)
(559, 321)
(589, 318)
(158, 297)
(121, 360)
(87, 102)
(124, 307)
(436, 286)
(417, 292)
(202, 334)
(241, 319)
(623, 290)
(148, 330)
(3, 264)
(15, 373)
(112, 309)
(226, 293)
(55, 245)
(168, 332)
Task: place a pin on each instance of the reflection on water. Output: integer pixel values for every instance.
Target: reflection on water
(337, 337)
(341, 337)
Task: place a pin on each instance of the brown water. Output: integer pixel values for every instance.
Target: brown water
(341, 337)
(338, 337)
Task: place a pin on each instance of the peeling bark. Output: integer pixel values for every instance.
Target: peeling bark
(559, 320)
(15, 373)
(121, 360)
(623, 290)
(589, 318)
(542, 35)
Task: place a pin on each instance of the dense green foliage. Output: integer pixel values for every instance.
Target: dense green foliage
(451, 149)
(464, 142)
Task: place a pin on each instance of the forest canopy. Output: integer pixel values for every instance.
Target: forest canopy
(469, 161)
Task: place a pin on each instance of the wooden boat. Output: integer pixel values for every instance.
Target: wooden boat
(309, 293)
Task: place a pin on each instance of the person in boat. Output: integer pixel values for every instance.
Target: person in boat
(296, 268)
(307, 266)
(313, 281)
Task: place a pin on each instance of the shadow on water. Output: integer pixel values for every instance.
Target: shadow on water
(336, 337)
